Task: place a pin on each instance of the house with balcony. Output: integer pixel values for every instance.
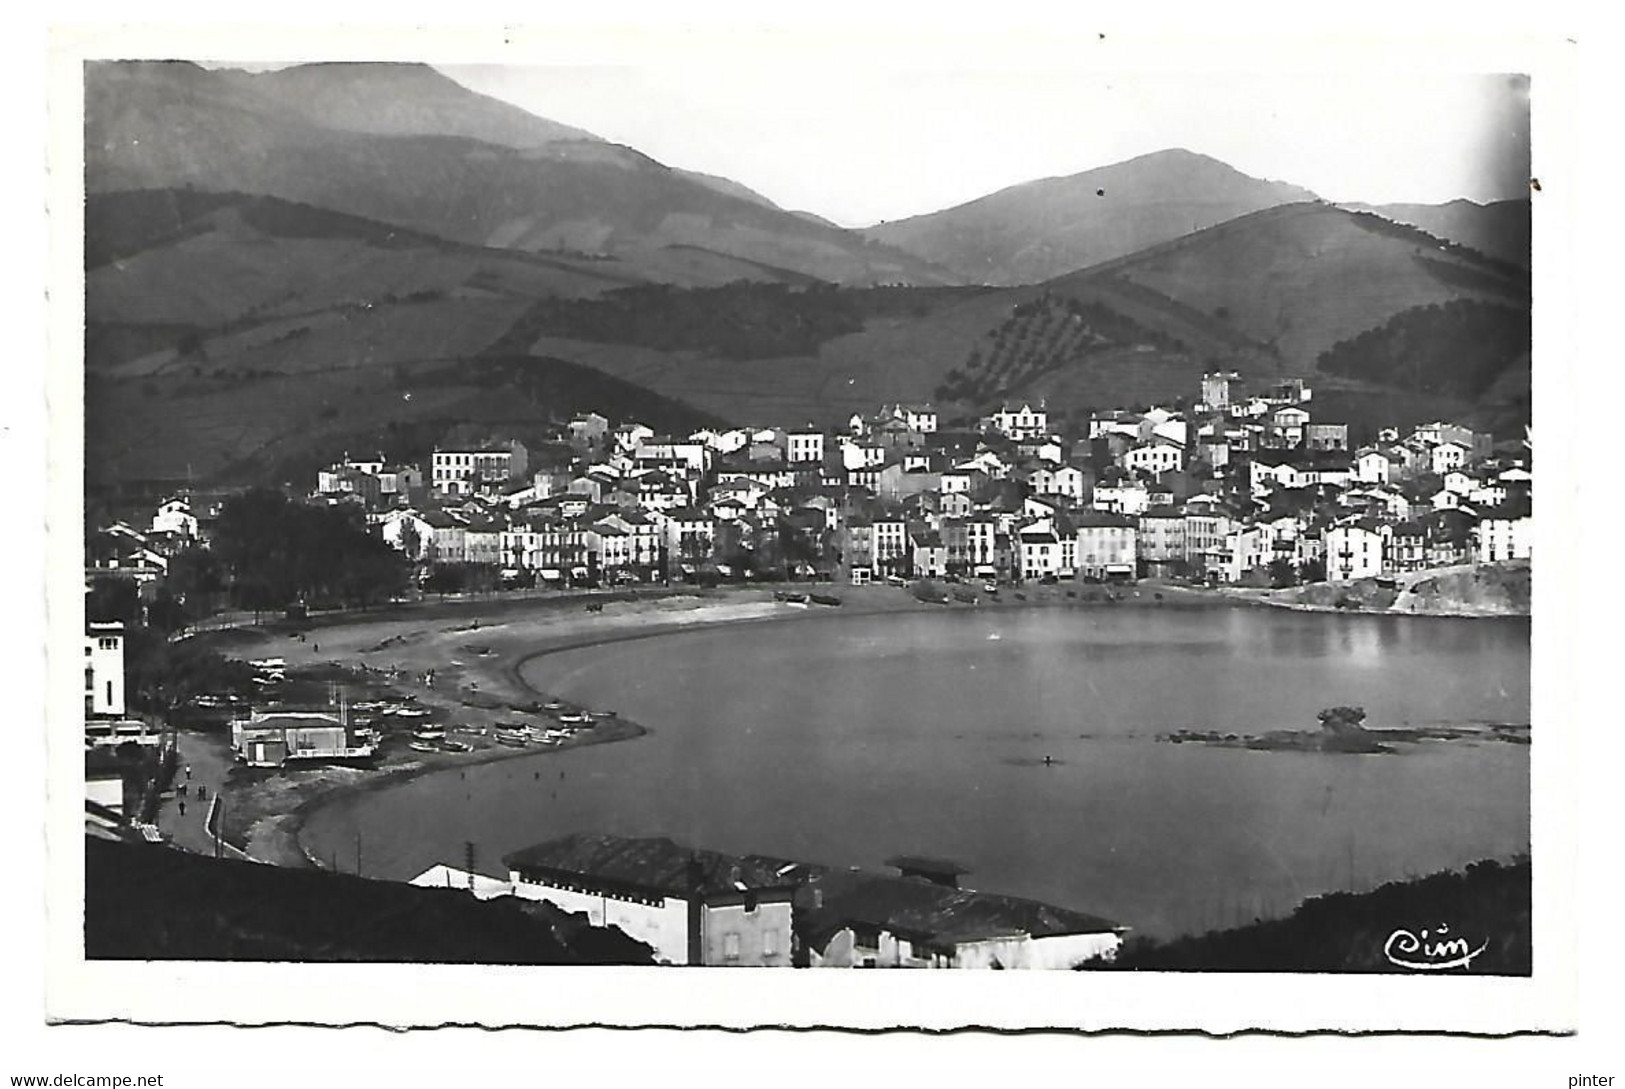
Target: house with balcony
(1353, 550)
(1107, 544)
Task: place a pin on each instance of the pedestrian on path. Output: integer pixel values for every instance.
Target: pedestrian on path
(183, 808)
(189, 771)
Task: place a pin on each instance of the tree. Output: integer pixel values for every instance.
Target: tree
(1282, 573)
(273, 551)
(1313, 570)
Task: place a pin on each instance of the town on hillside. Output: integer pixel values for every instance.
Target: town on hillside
(1246, 488)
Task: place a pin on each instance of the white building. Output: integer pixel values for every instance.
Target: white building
(1155, 457)
(462, 470)
(1373, 467)
(1216, 389)
(175, 516)
(803, 446)
(104, 669)
(1353, 550)
(1502, 535)
(1131, 498)
(1020, 423)
(853, 919)
(1449, 455)
(689, 906)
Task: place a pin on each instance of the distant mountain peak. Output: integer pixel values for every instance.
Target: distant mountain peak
(1047, 227)
(403, 98)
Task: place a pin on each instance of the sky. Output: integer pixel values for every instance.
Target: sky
(875, 143)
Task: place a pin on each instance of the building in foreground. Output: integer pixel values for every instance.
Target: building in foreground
(691, 907)
(853, 919)
(272, 740)
(697, 907)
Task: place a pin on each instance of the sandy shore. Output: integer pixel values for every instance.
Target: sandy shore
(462, 659)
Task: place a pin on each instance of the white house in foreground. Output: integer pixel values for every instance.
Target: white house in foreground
(691, 907)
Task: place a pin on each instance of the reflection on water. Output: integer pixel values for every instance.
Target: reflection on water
(849, 739)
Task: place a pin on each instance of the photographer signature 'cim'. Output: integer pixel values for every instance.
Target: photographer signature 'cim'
(1432, 951)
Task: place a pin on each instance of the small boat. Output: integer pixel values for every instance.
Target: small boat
(579, 716)
(601, 715)
(429, 734)
(512, 738)
(422, 746)
(555, 705)
(456, 746)
(824, 599)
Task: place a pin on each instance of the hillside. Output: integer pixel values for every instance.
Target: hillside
(1039, 230)
(439, 160)
(1266, 294)
(398, 100)
(1462, 349)
(175, 277)
(786, 357)
(262, 425)
(1301, 277)
(155, 903)
(1489, 901)
(1501, 229)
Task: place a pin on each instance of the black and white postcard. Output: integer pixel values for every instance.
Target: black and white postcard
(1061, 519)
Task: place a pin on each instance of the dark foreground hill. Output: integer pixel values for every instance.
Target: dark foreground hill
(1038, 230)
(145, 902)
(1488, 903)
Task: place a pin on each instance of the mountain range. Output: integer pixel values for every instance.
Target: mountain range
(281, 265)
(405, 145)
(1499, 229)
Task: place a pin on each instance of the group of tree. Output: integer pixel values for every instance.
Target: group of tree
(741, 320)
(1458, 349)
(272, 551)
(1041, 335)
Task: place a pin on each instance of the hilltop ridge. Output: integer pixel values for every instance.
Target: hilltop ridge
(1037, 230)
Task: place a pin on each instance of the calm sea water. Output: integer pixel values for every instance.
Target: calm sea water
(846, 740)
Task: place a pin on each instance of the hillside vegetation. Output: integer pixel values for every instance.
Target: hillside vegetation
(1501, 229)
(1302, 277)
(738, 321)
(245, 428)
(1460, 348)
(1488, 902)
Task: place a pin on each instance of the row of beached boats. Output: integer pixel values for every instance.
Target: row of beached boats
(793, 597)
(567, 721)
(434, 739)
